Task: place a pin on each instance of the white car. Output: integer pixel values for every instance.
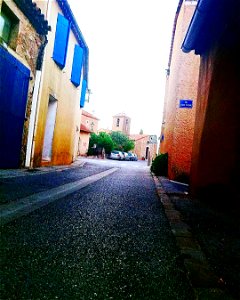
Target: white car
(125, 155)
(115, 154)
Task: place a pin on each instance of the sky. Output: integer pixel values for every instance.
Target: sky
(129, 43)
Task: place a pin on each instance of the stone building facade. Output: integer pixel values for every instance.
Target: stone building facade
(122, 123)
(89, 124)
(145, 145)
(23, 38)
(180, 98)
(90, 121)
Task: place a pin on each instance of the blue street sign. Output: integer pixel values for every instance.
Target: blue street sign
(185, 104)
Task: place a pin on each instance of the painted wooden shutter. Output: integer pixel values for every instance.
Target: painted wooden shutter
(61, 41)
(77, 65)
(14, 81)
(83, 93)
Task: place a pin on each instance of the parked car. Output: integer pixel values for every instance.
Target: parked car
(115, 154)
(135, 156)
(125, 154)
(132, 156)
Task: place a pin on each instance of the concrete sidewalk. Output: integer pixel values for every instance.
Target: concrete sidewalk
(201, 251)
(10, 173)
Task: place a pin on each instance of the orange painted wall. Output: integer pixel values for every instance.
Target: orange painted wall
(182, 83)
(216, 149)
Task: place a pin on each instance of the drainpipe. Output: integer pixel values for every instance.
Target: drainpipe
(32, 118)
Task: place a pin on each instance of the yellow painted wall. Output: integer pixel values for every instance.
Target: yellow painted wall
(56, 82)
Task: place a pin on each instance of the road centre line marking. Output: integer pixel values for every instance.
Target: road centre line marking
(23, 206)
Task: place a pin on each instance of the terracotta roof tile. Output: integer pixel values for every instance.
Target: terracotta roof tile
(34, 15)
(136, 137)
(84, 128)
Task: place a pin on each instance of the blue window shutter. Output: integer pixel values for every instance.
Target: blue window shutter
(77, 65)
(83, 93)
(61, 41)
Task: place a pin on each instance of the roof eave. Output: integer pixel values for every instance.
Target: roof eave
(196, 36)
(34, 15)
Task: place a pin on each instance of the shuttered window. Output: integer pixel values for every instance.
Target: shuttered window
(77, 65)
(83, 93)
(61, 41)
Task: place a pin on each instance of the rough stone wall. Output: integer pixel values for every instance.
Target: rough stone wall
(27, 44)
(182, 83)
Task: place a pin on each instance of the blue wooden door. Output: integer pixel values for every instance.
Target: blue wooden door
(14, 81)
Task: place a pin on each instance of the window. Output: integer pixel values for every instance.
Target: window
(118, 122)
(61, 41)
(5, 28)
(9, 27)
(77, 65)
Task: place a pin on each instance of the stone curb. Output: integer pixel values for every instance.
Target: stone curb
(41, 170)
(205, 283)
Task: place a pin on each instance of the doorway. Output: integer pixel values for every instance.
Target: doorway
(49, 129)
(147, 152)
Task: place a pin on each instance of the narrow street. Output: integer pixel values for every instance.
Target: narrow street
(107, 240)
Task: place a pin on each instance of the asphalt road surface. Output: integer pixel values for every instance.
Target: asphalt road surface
(109, 240)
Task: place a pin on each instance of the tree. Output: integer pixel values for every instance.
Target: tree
(92, 143)
(129, 146)
(105, 141)
(121, 141)
(141, 131)
(98, 142)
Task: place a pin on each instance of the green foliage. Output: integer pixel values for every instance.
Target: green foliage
(121, 141)
(129, 145)
(105, 141)
(92, 141)
(141, 131)
(102, 140)
(160, 165)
